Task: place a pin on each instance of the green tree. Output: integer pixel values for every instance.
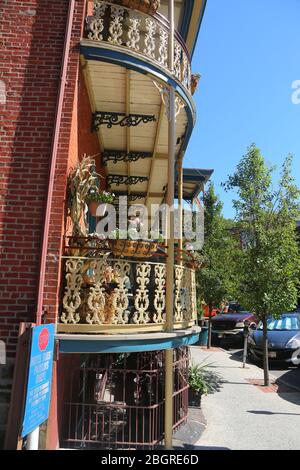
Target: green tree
(269, 264)
(216, 280)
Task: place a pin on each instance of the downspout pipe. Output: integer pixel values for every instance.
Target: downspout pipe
(53, 159)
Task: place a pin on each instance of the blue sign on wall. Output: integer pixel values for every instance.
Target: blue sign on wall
(39, 378)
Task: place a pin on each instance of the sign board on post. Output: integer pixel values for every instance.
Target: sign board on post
(39, 378)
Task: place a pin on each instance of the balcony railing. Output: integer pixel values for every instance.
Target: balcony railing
(117, 295)
(141, 33)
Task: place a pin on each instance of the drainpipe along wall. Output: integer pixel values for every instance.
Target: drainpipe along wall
(63, 81)
(52, 439)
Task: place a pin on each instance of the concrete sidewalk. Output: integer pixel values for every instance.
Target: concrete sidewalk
(242, 415)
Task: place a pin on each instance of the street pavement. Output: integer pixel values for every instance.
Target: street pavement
(241, 415)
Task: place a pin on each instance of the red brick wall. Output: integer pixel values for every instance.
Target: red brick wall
(88, 142)
(31, 44)
(66, 157)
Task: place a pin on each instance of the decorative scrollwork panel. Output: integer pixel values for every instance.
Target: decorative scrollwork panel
(120, 301)
(116, 25)
(96, 298)
(142, 301)
(150, 43)
(96, 22)
(134, 35)
(178, 308)
(160, 293)
(72, 295)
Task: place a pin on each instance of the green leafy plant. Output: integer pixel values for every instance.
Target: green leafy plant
(100, 196)
(160, 239)
(217, 279)
(199, 379)
(131, 234)
(119, 235)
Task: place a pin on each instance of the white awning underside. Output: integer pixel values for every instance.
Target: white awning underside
(116, 89)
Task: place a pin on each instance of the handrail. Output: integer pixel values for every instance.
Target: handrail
(141, 33)
(165, 22)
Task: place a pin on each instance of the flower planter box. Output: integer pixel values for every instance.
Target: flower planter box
(133, 248)
(97, 208)
(194, 398)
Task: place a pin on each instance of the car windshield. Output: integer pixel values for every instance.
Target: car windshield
(286, 323)
(234, 308)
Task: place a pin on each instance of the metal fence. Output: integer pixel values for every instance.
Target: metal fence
(117, 401)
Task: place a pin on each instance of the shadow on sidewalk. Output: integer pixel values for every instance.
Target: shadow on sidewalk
(236, 356)
(191, 447)
(271, 413)
(214, 380)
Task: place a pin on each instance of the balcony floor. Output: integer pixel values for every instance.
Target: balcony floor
(92, 343)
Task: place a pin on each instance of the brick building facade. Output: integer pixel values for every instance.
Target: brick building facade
(54, 74)
(32, 35)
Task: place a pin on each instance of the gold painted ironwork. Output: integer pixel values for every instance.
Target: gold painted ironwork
(106, 291)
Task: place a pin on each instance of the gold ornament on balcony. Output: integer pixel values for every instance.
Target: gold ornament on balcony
(195, 79)
(80, 181)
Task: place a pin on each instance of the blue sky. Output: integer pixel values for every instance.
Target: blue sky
(248, 54)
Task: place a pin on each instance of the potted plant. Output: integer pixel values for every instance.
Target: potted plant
(198, 384)
(98, 200)
(146, 6)
(194, 82)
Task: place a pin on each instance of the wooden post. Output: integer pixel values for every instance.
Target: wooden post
(170, 259)
(180, 208)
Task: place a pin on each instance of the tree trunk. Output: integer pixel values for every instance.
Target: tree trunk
(209, 327)
(265, 351)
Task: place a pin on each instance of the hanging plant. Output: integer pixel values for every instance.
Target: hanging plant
(96, 198)
(126, 243)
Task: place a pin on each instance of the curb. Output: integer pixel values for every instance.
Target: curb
(187, 436)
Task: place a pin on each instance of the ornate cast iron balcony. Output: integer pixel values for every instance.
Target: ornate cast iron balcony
(108, 295)
(141, 33)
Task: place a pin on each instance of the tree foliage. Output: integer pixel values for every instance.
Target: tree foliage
(266, 216)
(216, 280)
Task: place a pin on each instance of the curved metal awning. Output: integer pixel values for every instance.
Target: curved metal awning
(194, 180)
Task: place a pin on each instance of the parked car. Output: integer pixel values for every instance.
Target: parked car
(233, 307)
(231, 324)
(283, 339)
